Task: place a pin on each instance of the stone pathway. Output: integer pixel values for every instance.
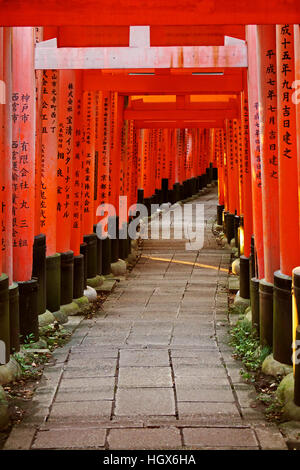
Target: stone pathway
(153, 369)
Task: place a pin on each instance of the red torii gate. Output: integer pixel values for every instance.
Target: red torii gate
(153, 14)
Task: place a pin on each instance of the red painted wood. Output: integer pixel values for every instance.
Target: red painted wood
(147, 12)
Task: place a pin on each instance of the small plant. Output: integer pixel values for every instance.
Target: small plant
(55, 336)
(247, 376)
(28, 364)
(246, 344)
(29, 340)
(273, 410)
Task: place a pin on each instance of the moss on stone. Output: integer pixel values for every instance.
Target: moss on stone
(272, 367)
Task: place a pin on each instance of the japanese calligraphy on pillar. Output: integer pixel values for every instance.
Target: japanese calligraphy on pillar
(267, 84)
(23, 152)
(286, 108)
(64, 158)
(89, 161)
(105, 151)
(77, 168)
(257, 166)
(48, 195)
(245, 122)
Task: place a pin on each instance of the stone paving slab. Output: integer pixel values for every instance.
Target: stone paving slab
(164, 438)
(84, 411)
(144, 358)
(143, 401)
(131, 377)
(219, 438)
(210, 393)
(70, 438)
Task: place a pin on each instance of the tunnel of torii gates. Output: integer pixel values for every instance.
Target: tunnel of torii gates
(93, 109)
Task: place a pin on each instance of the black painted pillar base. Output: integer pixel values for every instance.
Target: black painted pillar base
(157, 198)
(113, 228)
(140, 196)
(199, 183)
(215, 174)
(181, 192)
(252, 259)
(171, 196)
(195, 185)
(29, 319)
(266, 313)
(229, 226)
(14, 318)
(164, 189)
(99, 252)
(220, 209)
(91, 241)
(254, 302)
(79, 277)
(4, 320)
(244, 278)
(211, 172)
(123, 241)
(176, 188)
(282, 322)
(236, 230)
(106, 256)
(147, 203)
(53, 282)
(67, 277)
(83, 251)
(185, 189)
(39, 270)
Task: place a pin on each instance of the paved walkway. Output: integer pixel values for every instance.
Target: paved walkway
(153, 370)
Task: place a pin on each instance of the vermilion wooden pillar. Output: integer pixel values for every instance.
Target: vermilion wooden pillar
(257, 254)
(64, 159)
(241, 168)
(220, 165)
(77, 168)
(225, 156)
(247, 186)
(7, 245)
(89, 130)
(66, 89)
(267, 87)
(88, 114)
(47, 211)
(236, 174)
(232, 177)
(48, 177)
(23, 151)
(221, 178)
(255, 148)
(2, 145)
(23, 177)
(134, 166)
(103, 173)
(38, 136)
(288, 182)
(78, 160)
(4, 281)
(296, 272)
(288, 194)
